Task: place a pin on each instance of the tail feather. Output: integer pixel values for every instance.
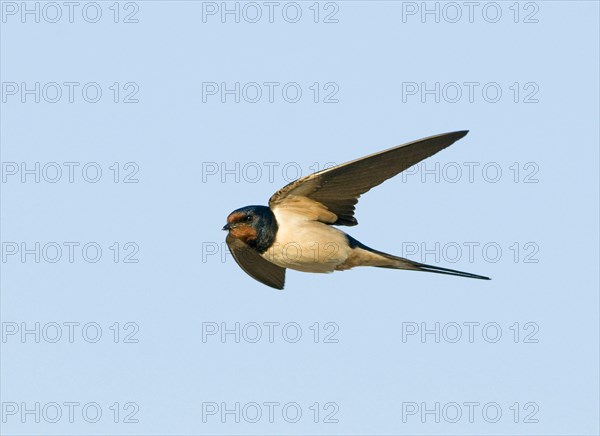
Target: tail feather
(384, 260)
(402, 263)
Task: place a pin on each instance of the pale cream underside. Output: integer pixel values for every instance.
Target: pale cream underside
(305, 244)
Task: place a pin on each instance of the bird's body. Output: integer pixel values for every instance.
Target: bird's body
(306, 245)
(296, 231)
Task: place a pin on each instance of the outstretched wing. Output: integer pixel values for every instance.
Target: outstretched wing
(255, 265)
(337, 189)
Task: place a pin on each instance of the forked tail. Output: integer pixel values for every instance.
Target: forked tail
(402, 263)
(367, 256)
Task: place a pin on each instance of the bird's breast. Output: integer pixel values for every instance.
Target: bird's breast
(306, 245)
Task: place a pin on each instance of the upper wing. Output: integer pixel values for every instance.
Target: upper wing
(338, 188)
(255, 265)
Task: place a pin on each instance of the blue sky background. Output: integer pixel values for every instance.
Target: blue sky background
(543, 218)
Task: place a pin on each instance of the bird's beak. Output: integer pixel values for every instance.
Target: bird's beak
(226, 227)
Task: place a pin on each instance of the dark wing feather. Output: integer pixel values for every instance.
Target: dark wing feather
(339, 188)
(254, 265)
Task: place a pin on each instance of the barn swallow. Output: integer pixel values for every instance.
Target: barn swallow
(295, 231)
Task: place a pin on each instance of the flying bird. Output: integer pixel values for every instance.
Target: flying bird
(296, 229)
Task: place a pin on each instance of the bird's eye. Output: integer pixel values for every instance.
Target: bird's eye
(249, 218)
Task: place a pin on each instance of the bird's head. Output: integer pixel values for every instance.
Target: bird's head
(253, 225)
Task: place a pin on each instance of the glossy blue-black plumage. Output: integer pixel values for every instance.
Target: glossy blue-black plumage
(262, 220)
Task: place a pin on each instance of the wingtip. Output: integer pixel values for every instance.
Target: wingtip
(452, 136)
(278, 286)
